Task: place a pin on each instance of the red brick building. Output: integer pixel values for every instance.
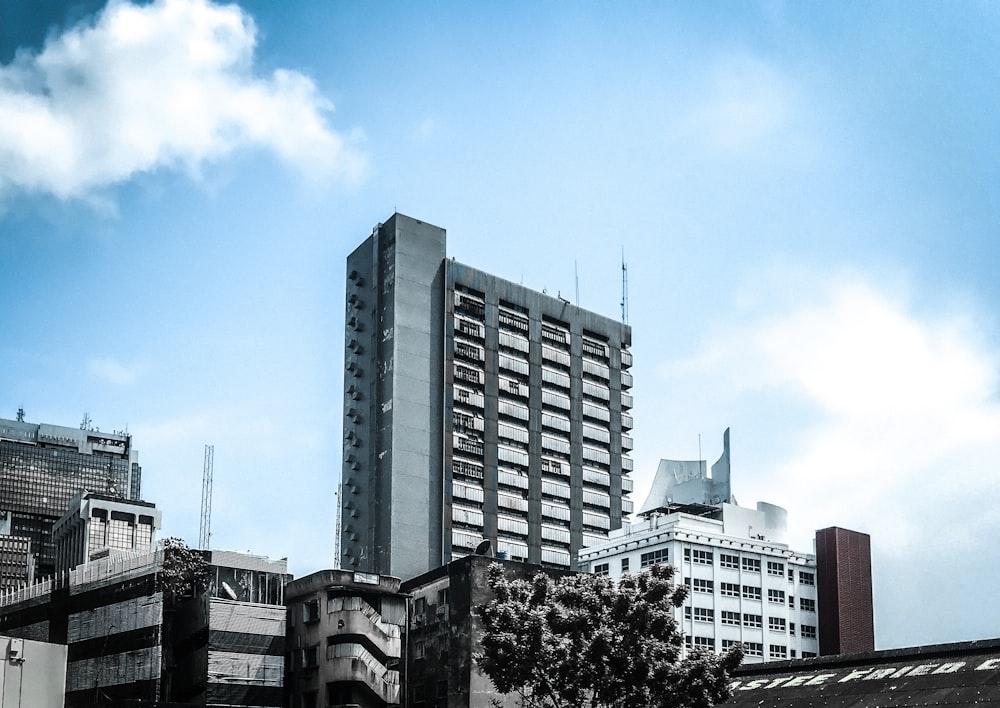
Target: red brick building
(844, 591)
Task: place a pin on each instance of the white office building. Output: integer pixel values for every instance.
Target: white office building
(746, 585)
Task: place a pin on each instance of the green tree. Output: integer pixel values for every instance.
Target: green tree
(583, 640)
(184, 570)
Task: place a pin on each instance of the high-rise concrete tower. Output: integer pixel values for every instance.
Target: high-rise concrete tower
(475, 408)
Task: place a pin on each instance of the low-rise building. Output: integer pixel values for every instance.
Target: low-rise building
(445, 634)
(345, 633)
(98, 525)
(131, 638)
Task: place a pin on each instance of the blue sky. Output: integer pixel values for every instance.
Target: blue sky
(805, 194)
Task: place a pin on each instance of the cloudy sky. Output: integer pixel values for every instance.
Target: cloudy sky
(805, 194)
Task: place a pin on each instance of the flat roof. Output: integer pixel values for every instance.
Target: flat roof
(961, 674)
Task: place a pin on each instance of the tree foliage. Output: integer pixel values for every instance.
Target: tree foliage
(184, 570)
(583, 640)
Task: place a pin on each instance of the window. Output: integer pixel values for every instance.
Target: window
(778, 651)
(468, 351)
(730, 589)
(753, 648)
(554, 334)
(464, 373)
(751, 565)
(512, 321)
(807, 605)
(791, 628)
(729, 643)
(807, 578)
(777, 596)
(774, 568)
(808, 654)
(601, 569)
(808, 632)
(700, 584)
(751, 592)
(624, 565)
(704, 614)
(310, 611)
(704, 643)
(310, 657)
(791, 600)
(732, 618)
(752, 621)
(696, 555)
(729, 561)
(660, 555)
(776, 624)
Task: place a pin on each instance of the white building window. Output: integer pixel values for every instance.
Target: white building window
(697, 555)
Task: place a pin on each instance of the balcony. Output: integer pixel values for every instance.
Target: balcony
(352, 662)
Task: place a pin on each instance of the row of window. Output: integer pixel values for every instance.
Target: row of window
(749, 592)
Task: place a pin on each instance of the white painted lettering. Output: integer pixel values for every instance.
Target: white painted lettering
(856, 674)
(777, 682)
(798, 680)
(902, 672)
(949, 668)
(819, 679)
(879, 674)
(752, 685)
(922, 670)
(989, 664)
(734, 684)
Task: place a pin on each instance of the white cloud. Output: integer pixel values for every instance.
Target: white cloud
(170, 84)
(114, 371)
(903, 423)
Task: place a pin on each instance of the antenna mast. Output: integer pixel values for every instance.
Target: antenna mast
(339, 529)
(205, 530)
(624, 288)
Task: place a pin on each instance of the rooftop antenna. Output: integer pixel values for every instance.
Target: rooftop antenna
(624, 288)
(85, 425)
(205, 529)
(20, 414)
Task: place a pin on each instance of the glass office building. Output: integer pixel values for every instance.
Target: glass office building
(42, 467)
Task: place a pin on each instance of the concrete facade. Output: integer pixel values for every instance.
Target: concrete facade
(345, 634)
(474, 408)
(127, 641)
(445, 634)
(98, 525)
